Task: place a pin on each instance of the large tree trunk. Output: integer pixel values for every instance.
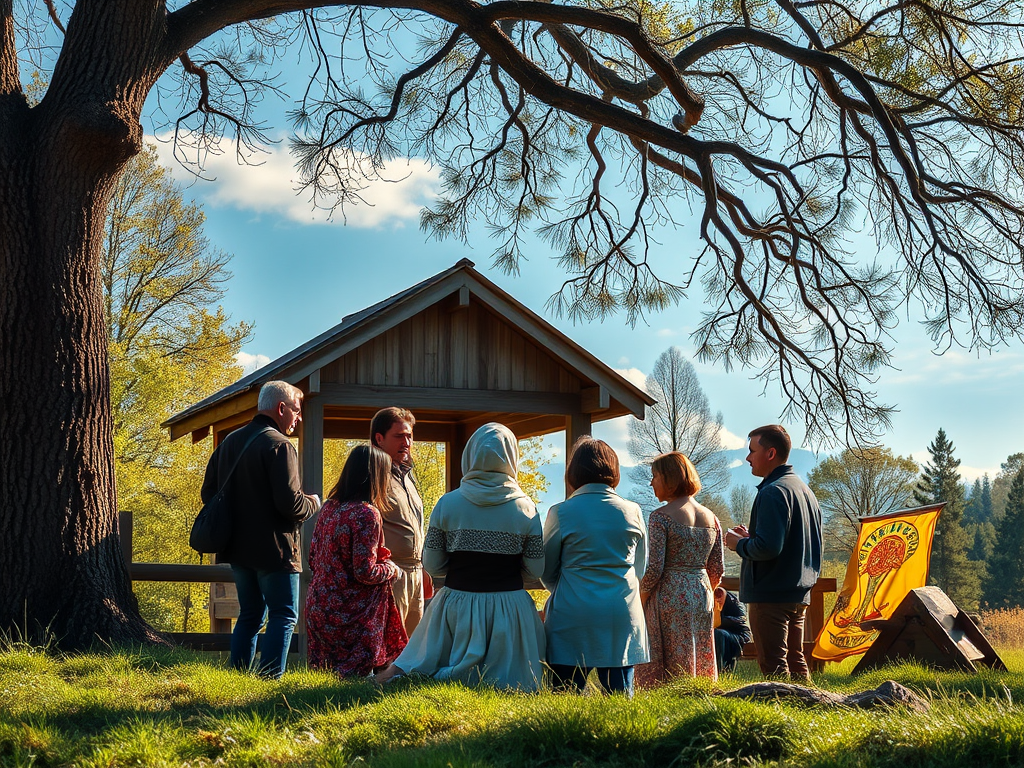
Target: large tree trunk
(63, 575)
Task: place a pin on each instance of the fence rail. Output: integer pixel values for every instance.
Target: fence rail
(216, 574)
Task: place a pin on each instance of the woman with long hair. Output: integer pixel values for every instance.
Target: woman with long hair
(353, 624)
(483, 538)
(685, 566)
(595, 552)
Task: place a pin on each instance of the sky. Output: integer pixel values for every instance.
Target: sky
(297, 272)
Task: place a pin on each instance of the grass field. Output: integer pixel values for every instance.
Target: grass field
(177, 708)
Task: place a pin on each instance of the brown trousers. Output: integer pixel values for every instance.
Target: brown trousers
(408, 591)
(778, 630)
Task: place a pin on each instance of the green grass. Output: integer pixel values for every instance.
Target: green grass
(176, 708)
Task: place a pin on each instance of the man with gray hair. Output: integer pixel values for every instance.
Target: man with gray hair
(268, 507)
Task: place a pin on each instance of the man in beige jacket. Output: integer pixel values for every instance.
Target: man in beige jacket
(391, 431)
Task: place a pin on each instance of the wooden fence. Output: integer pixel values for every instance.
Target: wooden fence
(221, 574)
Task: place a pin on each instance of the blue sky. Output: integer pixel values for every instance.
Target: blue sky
(296, 273)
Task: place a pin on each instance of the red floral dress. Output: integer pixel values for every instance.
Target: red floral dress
(352, 621)
(684, 566)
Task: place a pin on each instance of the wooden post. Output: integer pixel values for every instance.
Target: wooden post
(311, 460)
(453, 450)
(576, 425)
(125, 531)
(219, 589)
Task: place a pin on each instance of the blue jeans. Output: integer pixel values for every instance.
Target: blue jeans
(574, 679)
(271, 596)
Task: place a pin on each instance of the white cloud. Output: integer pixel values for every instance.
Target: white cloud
(736, 463)
(249, 362)
(615, 432)
(970, 474)
(270, 187)
(665, 333)
(731, 442)
(635, 376)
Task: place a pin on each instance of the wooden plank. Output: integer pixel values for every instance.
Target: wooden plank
(181, 572)
(313, 387)
(359, 429)
(198, 435)
(125, 531)
(243, 402)
(576, 425)
(453, 451)
(463, 400)
(473, 356)
(594, 399)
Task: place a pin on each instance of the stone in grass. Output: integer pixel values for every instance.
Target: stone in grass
(889, 693)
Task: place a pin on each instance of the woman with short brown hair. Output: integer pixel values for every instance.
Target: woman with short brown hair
(686, 564)
(595, 551)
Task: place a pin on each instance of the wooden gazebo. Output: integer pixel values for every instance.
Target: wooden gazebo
(455, 349)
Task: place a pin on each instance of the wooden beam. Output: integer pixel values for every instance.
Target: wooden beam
(313, 388)
(359, 429)
(241, 403)
(462, 302)
(453, 451)
(182, 572)
(594, 399)
(125, 531)
(576, 425)
(480, 400)
(198, 435)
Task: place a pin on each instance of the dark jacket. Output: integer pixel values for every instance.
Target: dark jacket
(782, 556)
(734, 619)
(267, 503)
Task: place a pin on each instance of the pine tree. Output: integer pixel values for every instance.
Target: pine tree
(972, 510)
(1004, 586)
(986, 499)
(951, 570)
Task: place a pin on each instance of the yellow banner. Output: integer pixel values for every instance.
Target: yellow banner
(891, 558)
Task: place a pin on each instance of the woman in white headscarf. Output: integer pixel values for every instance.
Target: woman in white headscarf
(483, 539)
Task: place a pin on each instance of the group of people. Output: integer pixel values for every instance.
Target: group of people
(638, 601)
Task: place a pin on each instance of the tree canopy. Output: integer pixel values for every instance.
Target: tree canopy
(170, 345)
(859, 483)
(785, 127)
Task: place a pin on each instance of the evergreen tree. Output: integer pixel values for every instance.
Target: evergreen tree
(972, 510)
(951, 570)
(1001, 484)
(986, 499)
(1004, 586)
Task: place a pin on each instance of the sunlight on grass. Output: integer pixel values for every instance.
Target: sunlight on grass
(177, 708)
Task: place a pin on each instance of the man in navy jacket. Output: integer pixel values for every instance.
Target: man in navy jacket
(781, 555)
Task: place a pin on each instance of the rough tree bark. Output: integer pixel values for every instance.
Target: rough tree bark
(63, 572)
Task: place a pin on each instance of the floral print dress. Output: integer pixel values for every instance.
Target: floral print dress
(353, 624)
(684, 567)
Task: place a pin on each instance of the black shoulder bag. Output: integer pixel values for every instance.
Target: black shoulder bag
(211, 532)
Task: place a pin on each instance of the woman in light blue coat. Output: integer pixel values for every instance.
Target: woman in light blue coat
(595, 553)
